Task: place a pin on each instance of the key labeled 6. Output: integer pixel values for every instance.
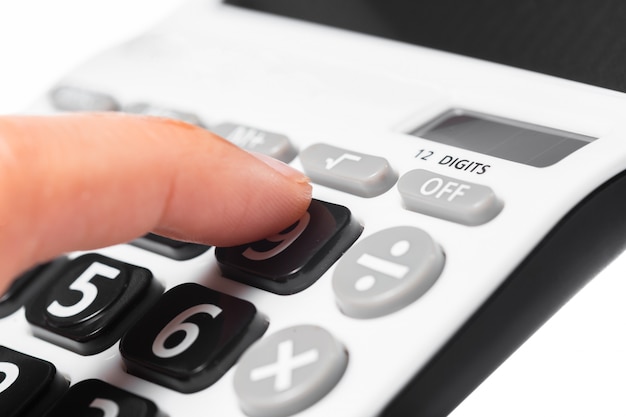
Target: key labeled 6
(191, 337)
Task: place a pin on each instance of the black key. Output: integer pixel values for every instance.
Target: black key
(91, 302)
(191, 337)
(95, 398)
(171, 248)
(27, 285)
(298, 256)
(28, 386)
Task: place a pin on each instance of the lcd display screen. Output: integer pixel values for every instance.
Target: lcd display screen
(525, 143)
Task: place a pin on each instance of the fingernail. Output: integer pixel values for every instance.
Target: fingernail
(281, 167)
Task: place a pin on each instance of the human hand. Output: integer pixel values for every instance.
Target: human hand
(83, 181)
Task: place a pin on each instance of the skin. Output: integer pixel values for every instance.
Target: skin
(83, 181)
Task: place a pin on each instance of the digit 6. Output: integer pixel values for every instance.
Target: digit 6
(178, 324)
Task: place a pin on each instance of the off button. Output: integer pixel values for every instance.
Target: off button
(448, 198)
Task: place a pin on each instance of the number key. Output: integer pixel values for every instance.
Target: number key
(28, 385)
(191, 337)
(297, 257)
(91, 303)
(95, 398)
(27, 285)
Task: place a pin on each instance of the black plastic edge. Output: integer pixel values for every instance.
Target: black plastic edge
(588, 238)
(56, 390)
(580, 41)
(29, 284)
(170, 248)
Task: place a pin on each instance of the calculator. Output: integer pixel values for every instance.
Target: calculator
(457, 204)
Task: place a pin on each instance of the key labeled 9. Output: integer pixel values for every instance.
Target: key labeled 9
(294, 259)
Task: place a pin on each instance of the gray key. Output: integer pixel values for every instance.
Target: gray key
(289, 371)
(448, 198)
(276, 145)
(70, 98)
(353, 172)
(386, 272)
(152, 110)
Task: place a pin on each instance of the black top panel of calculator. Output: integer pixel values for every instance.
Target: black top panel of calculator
(578, 40)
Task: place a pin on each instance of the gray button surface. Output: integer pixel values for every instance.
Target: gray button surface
(276, 145)
(289, 371)
(152, 110)
(448, 198)
(386, 272)
(70, 98)
(345, 170)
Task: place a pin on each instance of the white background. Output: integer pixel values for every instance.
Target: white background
(40, 40)
(574, 366)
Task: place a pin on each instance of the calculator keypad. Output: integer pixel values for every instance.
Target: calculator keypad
(191, 337)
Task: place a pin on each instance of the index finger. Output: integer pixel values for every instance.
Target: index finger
(82, 181)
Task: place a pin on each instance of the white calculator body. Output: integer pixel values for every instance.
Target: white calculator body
(458, 202)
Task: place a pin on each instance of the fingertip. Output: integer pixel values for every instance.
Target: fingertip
(84, 181)
(250, 197)
(283, 168)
